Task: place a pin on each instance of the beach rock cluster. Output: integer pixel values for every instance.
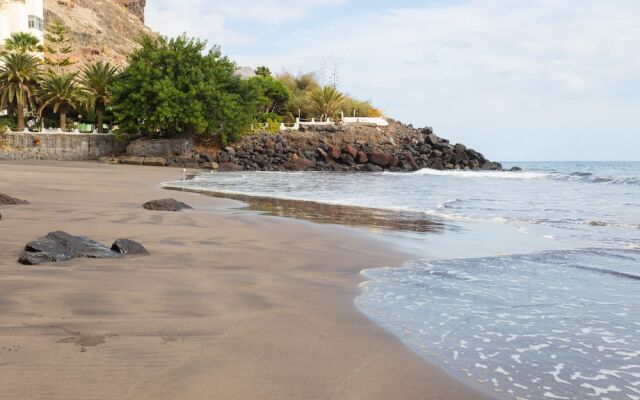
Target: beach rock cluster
(61, 246)
(399, 148)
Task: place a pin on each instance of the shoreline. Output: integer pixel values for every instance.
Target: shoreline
(327, 213)
(248, 311)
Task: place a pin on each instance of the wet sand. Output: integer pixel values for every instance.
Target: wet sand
(230, 305)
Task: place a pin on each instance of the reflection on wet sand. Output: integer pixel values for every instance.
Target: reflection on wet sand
(362, 217)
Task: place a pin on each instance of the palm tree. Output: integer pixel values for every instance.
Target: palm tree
(62, 93)
(326, 101)
(19, 75)
(97, 81)
(23, 42)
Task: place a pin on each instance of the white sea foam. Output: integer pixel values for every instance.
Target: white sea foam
(549, 357)
(483, 174)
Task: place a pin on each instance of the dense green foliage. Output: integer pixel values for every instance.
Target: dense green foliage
(171, 88)
(306, 99)
(7, 121)
(274, 95)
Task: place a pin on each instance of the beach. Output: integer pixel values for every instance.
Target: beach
(230, 304)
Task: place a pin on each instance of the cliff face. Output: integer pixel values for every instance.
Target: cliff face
(135, 7)
(99, 29)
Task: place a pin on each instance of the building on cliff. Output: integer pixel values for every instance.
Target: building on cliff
(21, 16)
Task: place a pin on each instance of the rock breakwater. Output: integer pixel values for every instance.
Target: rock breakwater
(397, 148)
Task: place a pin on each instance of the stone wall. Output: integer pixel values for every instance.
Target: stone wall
(58, 146)
(160, 147)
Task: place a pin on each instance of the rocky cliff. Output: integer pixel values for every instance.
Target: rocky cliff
(99, 29)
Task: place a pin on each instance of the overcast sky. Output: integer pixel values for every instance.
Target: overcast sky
(515, 79)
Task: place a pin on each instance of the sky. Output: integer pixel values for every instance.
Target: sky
(519, 80)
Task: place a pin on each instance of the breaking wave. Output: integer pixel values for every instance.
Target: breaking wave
(587, 177)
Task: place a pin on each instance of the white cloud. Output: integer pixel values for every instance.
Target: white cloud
(211, 19)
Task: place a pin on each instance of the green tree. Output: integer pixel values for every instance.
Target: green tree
(97, 82)
(58, 48)
(19, 75)
(275, 94)
(326, 101)
(61, 93)
(299, 88)
(263, 71)
(172, 88)
(23, 42)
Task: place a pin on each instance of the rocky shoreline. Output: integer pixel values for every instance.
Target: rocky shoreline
(322, 148)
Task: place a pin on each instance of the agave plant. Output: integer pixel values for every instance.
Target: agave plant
(19, 75)
(326, 101)
(23, 42)
(62, 93)
(96, 81)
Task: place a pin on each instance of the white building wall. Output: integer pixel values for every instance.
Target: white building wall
(35, 8)
(14, 17)
(5, 28)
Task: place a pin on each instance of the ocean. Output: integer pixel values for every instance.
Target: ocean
(529, 290)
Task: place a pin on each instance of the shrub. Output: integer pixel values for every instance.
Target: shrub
(8, 121)
(171, 88)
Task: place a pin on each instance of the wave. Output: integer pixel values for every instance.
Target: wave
(590, 178)
(483, 174)
(525, 175)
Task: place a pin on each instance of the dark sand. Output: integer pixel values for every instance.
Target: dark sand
(229, 305)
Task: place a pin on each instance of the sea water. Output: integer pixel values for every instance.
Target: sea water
(535, 294)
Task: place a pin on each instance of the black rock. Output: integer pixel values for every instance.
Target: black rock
(372, 168)
(61, 246)
(206, 158)
(6, 200)
(461, 153)
(166, 205)
(433, 139)
(492, 166)
(515, 169)
(129, 247)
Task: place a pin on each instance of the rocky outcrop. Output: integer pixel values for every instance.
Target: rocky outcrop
(100, 30)
(166, 205)
(397, 148)
(60, 246)
(135, 7)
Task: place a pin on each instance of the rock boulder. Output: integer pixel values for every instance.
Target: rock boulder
(61, 246)
(6, 200)
(129, 248)
(166, 205)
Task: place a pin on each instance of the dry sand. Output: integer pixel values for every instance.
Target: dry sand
(229, 305)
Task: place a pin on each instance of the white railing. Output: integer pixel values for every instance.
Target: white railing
(58, 131)
(375, 121)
